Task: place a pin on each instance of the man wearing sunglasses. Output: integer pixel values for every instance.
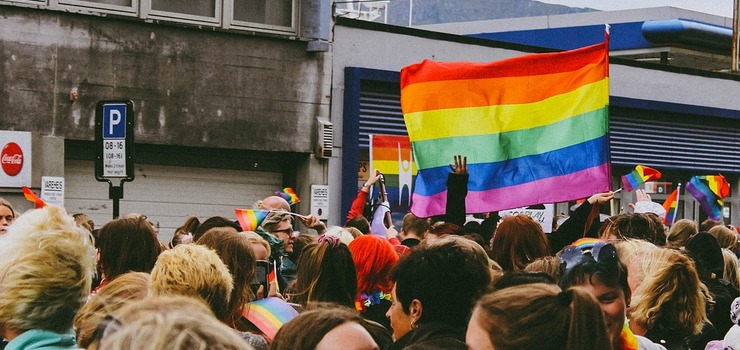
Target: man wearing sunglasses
(593, 264)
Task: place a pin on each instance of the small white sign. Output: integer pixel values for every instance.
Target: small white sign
(320, 201)
(52, 190)
(114, 158)
(542, 216)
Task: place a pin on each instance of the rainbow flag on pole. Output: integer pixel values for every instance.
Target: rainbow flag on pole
(639, 176)
(670, 205)
(289, 195)
(534, 128)
(250, 219)
(32, 197)
(391, 154)
(710, 191)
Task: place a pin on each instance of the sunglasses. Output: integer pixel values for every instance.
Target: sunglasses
(588, 249)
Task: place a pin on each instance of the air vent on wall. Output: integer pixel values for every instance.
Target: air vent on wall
(325, 142)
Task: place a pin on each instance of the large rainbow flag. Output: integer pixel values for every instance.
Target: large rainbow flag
(391, 154)
(534, 128)
(710, 191)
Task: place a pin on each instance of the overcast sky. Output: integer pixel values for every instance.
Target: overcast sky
(715, 7)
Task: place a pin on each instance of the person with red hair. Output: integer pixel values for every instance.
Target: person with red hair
(374, 260)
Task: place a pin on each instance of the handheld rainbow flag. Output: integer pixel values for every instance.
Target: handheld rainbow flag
(639, 176)
(534, 128)
(391, 154)
(269, 315)
(709, 190)
(289, 195)
(272, 276)
(32, 197)
(250, 219)
(670, 205)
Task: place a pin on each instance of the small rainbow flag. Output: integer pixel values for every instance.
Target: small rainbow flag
(289, 195)
(534, 128)
(639, 176)
(272, 277)
(269, 315)
(670, 208)
(710, 191)
(32, 197)
(250, 219)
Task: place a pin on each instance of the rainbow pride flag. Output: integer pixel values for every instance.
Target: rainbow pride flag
(534, 128)
(670, 208)
(250, 219)
(289, 195)
(32, 197)
(391, 154)
(709, 190)
(639, 176)
(269, 315)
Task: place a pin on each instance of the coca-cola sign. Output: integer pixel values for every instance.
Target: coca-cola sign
(11, 159)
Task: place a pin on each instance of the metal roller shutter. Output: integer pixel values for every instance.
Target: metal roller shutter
(167, 195)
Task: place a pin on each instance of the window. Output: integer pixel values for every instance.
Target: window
(110, 6)
(272, 12)
(191, 11)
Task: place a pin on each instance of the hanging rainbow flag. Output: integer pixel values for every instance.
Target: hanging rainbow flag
(32, 197)
(534, 128)
(639, 176)
(670, 205)
(250, 219)
(391, 154)
(269, 315)
(710, 191)
(289, 195)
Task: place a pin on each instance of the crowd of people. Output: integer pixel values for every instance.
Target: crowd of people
(624, 282)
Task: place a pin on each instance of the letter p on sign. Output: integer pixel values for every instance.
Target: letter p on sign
(114, 121)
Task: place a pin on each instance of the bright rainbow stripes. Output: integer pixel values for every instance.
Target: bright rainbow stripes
(639, 176)
(670, 208)
(289, 195)
(534, 128)
(710, 191)
(250, 219)
(269, 315)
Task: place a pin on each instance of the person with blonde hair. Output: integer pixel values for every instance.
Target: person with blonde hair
(537, 316)
(125, 289)
(668, 306)
(725, 237)
(7, 215)
(680, 232)
(169, 322)
(731, 274)
(195, 271)
(46, 268)
(546, 264)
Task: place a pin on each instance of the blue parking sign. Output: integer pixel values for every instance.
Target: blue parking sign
(114, 121)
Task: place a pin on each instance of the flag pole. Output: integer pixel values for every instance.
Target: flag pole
(678, 199)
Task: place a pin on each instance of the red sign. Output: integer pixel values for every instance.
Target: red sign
(11, 159)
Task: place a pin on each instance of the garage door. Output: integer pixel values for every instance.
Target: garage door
(167, 195)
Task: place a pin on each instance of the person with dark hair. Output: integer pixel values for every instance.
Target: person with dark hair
(360, 223)
(644, 226)
(326, 273)
(706, 253)
(518, 278)
(126, 245)
(357, 208)
(213, 222)
(442, 229)
(518, 241)
(594, 265)
(326, 326)
(707, 225)
(435, 288)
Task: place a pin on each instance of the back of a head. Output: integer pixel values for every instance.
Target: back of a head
(731, 274)
(299, 243)
(725, 237)
(540, 316)
(235, 250)
(704, 249)
(517, 242)
(326, 273)
(84, 221)
(46, 268)
(359, 222)
(177, 323)
(549, 265)
(213, 222)
(125, 289)
(340, 232)
(680, 232)
(643, 226)
(374, 260)
(195, 271)
(707, 224)
(414, 225)
(127, 244)
(307, 329)
(274, 203)
(445, 278)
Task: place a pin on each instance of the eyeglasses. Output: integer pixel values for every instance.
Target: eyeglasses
(287, 231)
(588, 249)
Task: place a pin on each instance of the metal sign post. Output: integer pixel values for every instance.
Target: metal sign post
(114, 140)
